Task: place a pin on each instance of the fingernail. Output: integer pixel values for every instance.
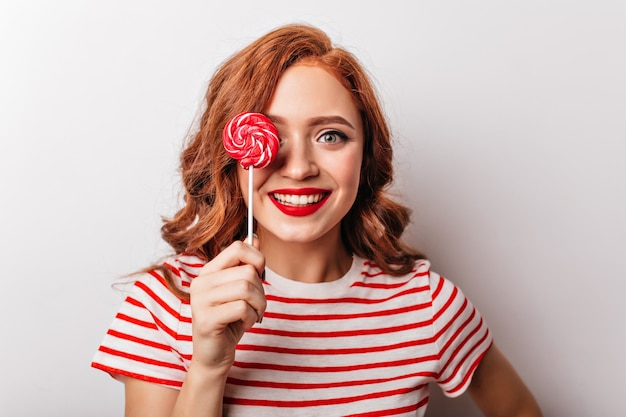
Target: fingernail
(260, 319)
(263, 275)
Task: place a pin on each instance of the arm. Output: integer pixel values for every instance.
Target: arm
(197, 397)
(145, 399)
(498, 391)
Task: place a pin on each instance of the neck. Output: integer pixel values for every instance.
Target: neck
(325, 259)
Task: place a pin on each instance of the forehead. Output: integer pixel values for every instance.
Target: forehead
(309, 91)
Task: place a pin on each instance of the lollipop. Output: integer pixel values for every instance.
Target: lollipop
(251, 139)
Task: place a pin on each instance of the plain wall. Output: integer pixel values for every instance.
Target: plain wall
(509, 119)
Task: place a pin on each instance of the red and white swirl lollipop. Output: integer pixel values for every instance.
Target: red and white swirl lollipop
(252, 139)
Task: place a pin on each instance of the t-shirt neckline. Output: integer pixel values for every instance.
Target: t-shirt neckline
(316, 289)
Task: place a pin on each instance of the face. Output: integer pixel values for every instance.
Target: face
(305, 193)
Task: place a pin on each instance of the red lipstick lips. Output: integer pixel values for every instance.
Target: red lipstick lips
(299, 201)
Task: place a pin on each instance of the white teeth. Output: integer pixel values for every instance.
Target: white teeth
(298, 200)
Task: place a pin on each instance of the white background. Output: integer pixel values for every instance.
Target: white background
(510, 125)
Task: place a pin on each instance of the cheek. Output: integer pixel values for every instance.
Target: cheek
(259, 177)
(349, 171)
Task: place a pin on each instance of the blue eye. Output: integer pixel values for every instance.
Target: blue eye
(332, 136)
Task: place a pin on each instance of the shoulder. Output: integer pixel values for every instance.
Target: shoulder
(369, 269)
(154, 288)
(182, 268)
(421, 271)
(367, 264)
(418, 278)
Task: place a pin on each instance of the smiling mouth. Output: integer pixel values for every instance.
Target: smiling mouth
(295, 200)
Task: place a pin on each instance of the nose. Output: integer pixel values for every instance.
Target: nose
(297, 160)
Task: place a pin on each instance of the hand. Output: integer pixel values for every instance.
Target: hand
(227, 298)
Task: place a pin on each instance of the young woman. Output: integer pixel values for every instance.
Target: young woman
(327, 313)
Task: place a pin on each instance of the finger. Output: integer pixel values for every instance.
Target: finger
(211, 281)
(236, 254)
(237, 311)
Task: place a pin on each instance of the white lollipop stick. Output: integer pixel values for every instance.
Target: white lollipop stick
(250, 197)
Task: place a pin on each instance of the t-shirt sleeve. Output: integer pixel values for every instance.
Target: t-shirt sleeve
(462, 336)
(141, 341)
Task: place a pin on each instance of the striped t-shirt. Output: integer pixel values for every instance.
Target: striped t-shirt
(367, 344)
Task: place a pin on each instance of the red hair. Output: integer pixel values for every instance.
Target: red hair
(214, 212)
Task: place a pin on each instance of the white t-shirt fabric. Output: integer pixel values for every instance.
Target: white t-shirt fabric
(367, 344)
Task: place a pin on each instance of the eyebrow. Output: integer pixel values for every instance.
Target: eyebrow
(316, 121)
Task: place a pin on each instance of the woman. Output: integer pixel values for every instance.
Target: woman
(328, 312)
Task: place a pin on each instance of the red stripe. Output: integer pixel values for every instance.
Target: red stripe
(199, 264)
(191, 264)
(316, 403)
(438, 289)
(367, 282)
(368, 274)
(160, 301)
(382, 285)
(370, 264)
(354, 300)
(141, 359)
(324, 317)
(375, 266)
(135, 302)
(342, 351)
(172, 268)
(447, 304)
(394, 411)
(139, 340)
(342, 384)
(341, 333)
(379, 285)
(331, 369)
(115, 371)
(133, 320)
